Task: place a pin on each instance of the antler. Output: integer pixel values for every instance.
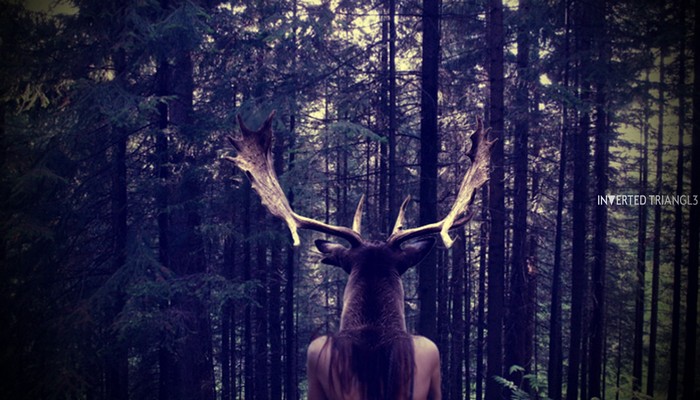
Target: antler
(255, 159)
(475, 177)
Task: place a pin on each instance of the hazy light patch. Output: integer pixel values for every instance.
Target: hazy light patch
(235, 9)
(544, 80)
(512, 48)
(365, 26)
(511, 4)
(51, 7)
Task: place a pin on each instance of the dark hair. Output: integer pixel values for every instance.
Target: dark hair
(378, 363)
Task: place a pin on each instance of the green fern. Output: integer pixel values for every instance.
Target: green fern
(517, 393)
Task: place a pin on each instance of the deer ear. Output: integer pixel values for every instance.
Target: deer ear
(333, 254)
(414, 252)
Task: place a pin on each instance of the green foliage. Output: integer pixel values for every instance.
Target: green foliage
(535, 390)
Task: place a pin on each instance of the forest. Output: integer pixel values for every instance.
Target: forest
(136, 263)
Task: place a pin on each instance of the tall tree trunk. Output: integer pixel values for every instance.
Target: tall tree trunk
(383, 123)
(165, 358)
(248, 353)
(678, 212)
(638, 356)
(275, 322)
(186, 369)
(466, 327)
(597, 324)
(443, 320)
(534, 237)
(258, 364)
(393, 170)
(554, 367)
(691, 320)
(227, 357)
(496, 247)
(579, 212)
(194, 370)
(457, 324)
(261, 389)
(275, 301)
(519, 324)
(117, 368)
(290, 381)
(584, 363)
(225, 353)
(429, 147)
(656, 260)
(481, 297)
(290, 344)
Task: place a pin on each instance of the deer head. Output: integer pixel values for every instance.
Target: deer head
(374, 293)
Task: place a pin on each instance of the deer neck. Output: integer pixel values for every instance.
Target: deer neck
(373, 304)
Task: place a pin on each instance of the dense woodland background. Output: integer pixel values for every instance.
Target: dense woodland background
(135, 264)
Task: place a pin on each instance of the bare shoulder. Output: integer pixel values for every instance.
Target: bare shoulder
(317, 345)
(424, 344)
(315, 350)
(425, 349)
(316, 362)
(427, 373)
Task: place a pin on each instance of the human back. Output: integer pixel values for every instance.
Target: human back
(330, 381)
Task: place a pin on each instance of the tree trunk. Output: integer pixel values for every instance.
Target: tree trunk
(429, 147)
(694, 245)
(519, 325)
(656, 258)
(275, 382)
(534, 237)
(554, 367)
(443, 320)
(393, 191)
(275, 301)
(290, 381)
(585, 342)
(496, 247)
(194, 369)
(579, 215)
(261, 388)
(678, 213)
(248, 353)
(641, 261)
(481, 297)
(457, 325)
(597, 325)
(466, 327)
(225, 355)
(290, 349)
(228, 322)
(383, 123)
(620, 345)
(165, 358)
(117, 363)
(117, 368)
